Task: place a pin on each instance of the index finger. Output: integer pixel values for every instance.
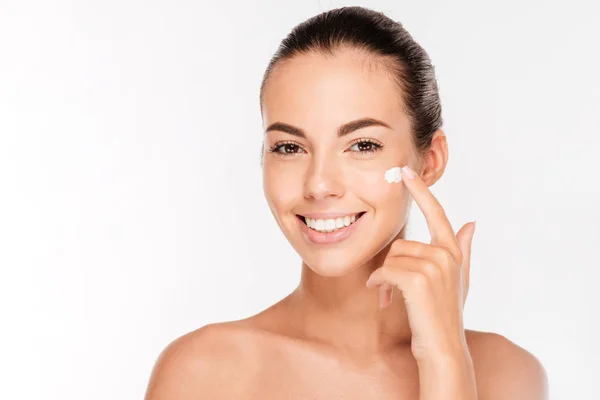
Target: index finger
(437, 221)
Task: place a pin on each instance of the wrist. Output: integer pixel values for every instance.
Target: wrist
(449, 359)
(450, 351)
(447, 374)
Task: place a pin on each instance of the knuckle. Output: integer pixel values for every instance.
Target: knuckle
(419, 281)
(431, 270)
(445, 257)
(397, 246)
(385, 271)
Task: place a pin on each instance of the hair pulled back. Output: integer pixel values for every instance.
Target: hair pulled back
(384, 41)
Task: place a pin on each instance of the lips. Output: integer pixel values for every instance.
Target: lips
(332, 237)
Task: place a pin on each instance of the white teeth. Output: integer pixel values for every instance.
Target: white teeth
(319, 225)
(329, 225)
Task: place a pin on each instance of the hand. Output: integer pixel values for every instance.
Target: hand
(433, 278)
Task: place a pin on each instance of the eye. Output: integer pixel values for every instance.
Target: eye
(366, 146)
(285, 148)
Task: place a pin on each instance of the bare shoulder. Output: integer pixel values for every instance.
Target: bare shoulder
(505, 370)
(215, 361)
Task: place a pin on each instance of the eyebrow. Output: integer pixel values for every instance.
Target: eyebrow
(343, 130)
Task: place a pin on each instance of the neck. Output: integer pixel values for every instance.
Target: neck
(343, 312)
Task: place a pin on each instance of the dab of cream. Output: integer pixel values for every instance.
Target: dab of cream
(393, 175)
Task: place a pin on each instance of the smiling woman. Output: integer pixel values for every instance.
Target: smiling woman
(349, 95)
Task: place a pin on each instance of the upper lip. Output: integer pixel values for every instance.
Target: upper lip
(329, 215)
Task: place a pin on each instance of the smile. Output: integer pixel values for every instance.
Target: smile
(331, 225)
(330, 230)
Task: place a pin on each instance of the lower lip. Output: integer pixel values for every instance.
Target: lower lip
(329, 237)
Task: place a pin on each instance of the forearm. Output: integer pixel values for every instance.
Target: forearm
(447, 376)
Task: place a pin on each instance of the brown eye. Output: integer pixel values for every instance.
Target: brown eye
(365, 146)
(290, 148)
(285, 149)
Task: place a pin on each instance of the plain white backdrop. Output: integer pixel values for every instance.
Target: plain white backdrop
(131, 204)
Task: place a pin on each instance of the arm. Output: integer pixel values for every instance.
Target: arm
(448, 375)
(498, 370)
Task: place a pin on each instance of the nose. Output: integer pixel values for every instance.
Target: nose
(323, 179)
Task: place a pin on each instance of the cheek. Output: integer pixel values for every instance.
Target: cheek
(280, 188)
(371, 186)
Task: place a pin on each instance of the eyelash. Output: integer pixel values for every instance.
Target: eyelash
(376, 146)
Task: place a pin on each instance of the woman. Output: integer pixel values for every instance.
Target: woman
(348, 96)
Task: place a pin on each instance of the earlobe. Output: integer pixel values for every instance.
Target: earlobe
(435, 159)
(433, 169)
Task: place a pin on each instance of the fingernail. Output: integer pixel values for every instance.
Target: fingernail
(408, 172)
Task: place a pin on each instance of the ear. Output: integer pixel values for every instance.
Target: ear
(435, 159)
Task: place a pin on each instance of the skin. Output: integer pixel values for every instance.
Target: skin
(329, 338)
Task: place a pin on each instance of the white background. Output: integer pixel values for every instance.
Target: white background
(131, 204)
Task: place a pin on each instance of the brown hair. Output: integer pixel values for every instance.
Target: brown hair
(379, 36)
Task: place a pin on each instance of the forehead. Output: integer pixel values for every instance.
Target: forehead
(314, 90)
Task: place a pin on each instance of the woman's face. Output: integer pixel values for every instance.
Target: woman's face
(312, 169)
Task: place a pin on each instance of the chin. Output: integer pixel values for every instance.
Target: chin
(335, 263)
(331, 270)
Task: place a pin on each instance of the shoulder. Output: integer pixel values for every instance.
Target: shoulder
(505, 370)
(217, 361)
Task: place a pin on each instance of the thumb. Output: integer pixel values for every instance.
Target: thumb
(465, 239)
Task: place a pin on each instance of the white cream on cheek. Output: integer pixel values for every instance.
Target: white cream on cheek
(393, 175)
